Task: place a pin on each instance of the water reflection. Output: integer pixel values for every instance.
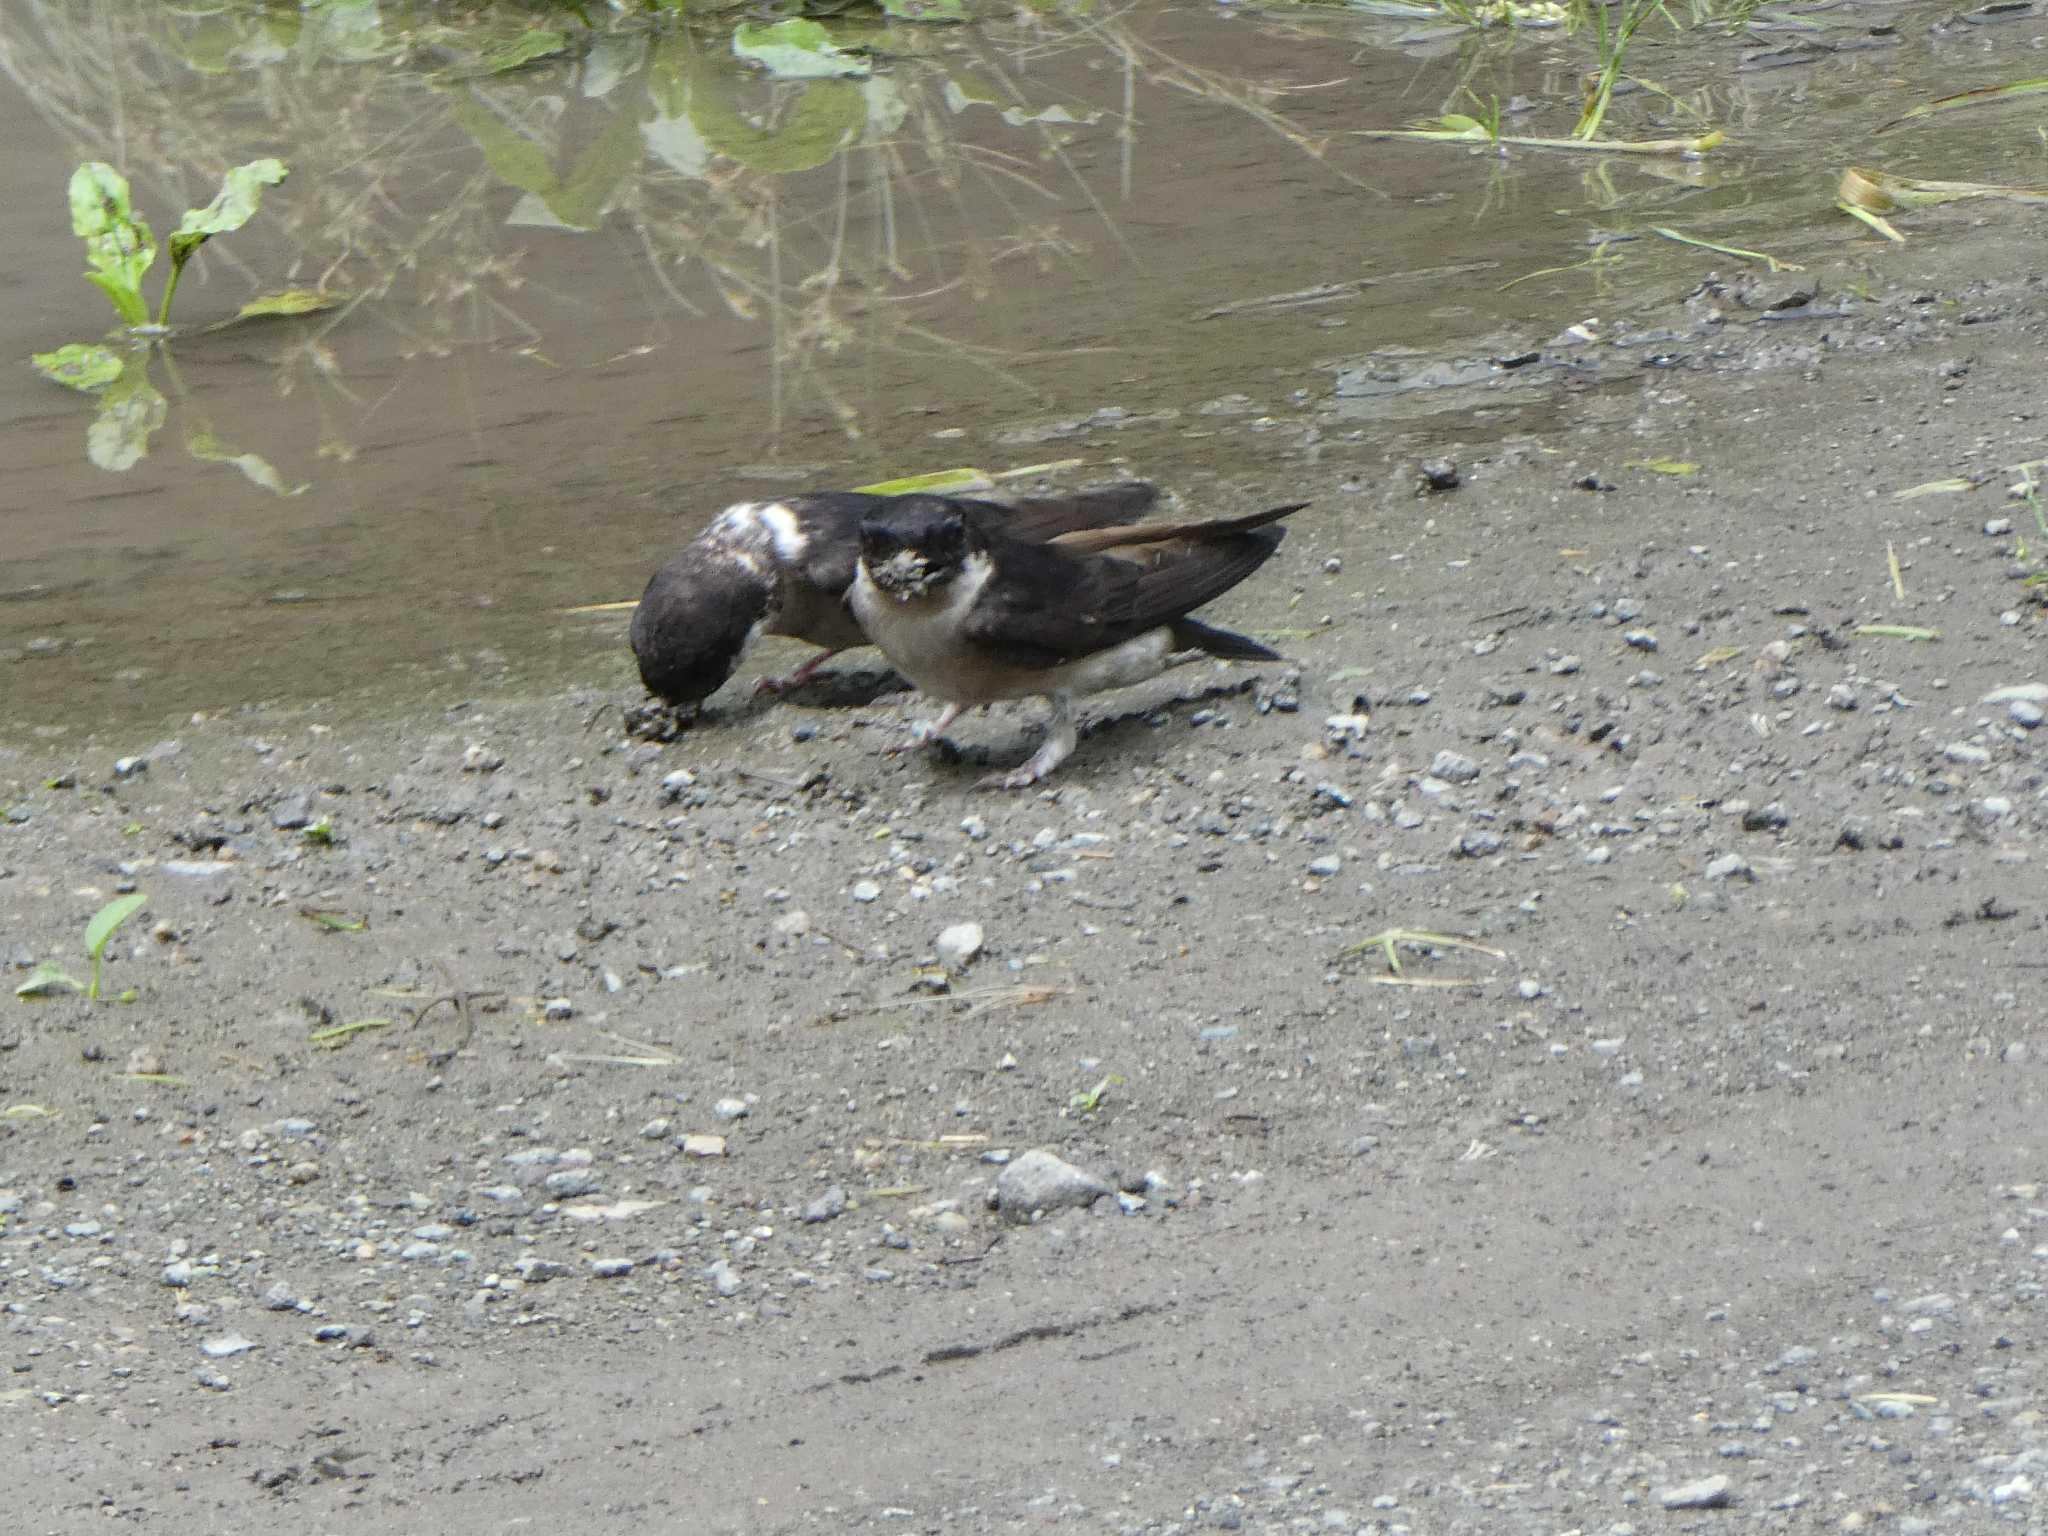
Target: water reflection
(594, 289)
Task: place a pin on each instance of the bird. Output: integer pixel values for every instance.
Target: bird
(971, 614)
(784, 567)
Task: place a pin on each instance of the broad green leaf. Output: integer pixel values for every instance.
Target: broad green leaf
(81, 365)
(533, 43)
(924, 10)
(241, 191)
(202, 444)
(513, 159)
(344, 31)
(109, 918)
(130, 412)
(828, 115)
(47, 980)
(119, 247)
(290, 301)
(796, 49)
(584, 194)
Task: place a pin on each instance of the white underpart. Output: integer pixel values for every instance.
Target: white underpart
(922, 639)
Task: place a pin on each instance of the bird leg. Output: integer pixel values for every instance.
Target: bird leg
(924, 732)
(796, 679)
(1060, 740)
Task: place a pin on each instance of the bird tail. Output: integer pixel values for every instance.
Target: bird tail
(1194, 635)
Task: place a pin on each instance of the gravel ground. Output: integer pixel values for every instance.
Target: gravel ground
(516, 1123)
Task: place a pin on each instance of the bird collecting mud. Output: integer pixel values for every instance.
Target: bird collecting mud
(784, 567)
(972, 614)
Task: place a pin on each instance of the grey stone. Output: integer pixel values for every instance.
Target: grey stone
(828, 1205)
(292, 812)
(960, 943)
(1730, 866)
(1038, 1180)
(1454, 767)
(1707, 1493)
(723, 1277)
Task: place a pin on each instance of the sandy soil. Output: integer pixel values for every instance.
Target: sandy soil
(1719, 1188)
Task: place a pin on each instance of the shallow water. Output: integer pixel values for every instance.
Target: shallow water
(593, 299)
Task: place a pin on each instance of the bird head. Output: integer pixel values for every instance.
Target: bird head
(914, 545)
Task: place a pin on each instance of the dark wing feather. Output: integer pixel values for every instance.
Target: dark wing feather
(1038, 519)
(832, 520)
(1104, 600)
(1152, 542)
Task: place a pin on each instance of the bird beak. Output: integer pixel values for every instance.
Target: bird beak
(904, 575)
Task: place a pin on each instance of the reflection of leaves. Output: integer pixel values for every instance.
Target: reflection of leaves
(202, 444)
(587, 190)
(241, 191)
(347, 31)
(964, 90)
(130, 412)
(533, 43)
(81, 365)
(513, 159)
(923, 10)
(118, 246)
(827, 116)
(578, 200)
(795, 49)
(291, 301)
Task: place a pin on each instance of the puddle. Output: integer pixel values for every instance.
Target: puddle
(591, 299)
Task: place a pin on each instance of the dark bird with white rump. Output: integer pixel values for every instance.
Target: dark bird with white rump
(971, 614)
(784, 567)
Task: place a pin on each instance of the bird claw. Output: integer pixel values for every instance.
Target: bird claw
(1022, 778)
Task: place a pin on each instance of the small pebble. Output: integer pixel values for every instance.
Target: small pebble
(1707, 1493)
(959, 944)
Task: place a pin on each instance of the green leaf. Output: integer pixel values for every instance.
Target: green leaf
(108, 919)
(131, 410)
(945, 482)
(241, 191)
(290, 301)
(47, 980)
(585, 193)
(513, 159)
(81, 365)
(923, 10)
(828, 116)
(119, 247)
(533, 43)
(796, 49)
(203, 445)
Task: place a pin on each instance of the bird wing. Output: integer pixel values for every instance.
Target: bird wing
(1049, 606)
(831, 522)
(1041, 518)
